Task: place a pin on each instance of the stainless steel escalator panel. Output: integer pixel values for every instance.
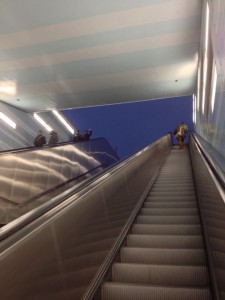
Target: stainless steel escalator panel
(26, 174)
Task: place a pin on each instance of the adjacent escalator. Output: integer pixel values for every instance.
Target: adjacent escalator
(164, 255)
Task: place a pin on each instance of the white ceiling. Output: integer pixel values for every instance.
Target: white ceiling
(76, 53)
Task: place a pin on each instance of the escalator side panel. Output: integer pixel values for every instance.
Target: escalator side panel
(25, 175)
(213, 214)
(57, 255)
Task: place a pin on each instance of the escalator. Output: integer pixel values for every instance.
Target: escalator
(164, 255)
(150, 227)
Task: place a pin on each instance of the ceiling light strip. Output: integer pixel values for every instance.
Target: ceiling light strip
(42, 122)
(7, 120)
(214, 84)
(63, 121)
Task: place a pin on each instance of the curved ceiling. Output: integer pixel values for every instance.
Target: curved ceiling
(68, 54)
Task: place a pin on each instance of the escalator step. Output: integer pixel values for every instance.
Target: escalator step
(165, 178)
(183, 193)
(116, 291)
(164, 256)
(188, 276)
(187, 257)
(172, 198)
(169, 211)
(166, 229)
(165, 241)
(167, 219)
(170, 204)
(175, 188)
(163, 184)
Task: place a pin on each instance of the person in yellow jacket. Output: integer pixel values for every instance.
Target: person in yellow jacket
(180, 132)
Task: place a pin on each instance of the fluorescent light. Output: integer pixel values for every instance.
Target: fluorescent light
(194, 109)
(42, 122)
(8, 87)
(205, 67)
(203, 99)
(205, 63)
(198, 87)
(7, 120)
(214, 83)
(207, 26)
(63, 121)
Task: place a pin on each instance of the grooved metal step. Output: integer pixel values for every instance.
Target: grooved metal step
(172, 204)
(161, 275)
(117, 291)
(173, 193)
(169, 211)
(164, 255)
(165, 241)
(166, 229)
(171, 198)
(171, 188)
(184, 257)
(167, 219)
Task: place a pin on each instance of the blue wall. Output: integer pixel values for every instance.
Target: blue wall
(130, 127)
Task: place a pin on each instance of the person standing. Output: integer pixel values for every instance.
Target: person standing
(77, 137)
(53, 138)
(180, 132)
(86, 135)
(40, 139)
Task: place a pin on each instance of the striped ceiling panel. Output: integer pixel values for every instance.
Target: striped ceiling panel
(71, 53)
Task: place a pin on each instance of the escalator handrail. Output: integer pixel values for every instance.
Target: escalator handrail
(79, 190)
(46, 146)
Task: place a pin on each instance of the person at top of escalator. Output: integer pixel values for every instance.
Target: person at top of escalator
(53, 138)
(86, 135)
(40, 139)
(180, 133)
(77, 137)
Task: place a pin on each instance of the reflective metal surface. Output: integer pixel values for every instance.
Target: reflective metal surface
(57, 255)
(210, 120)
(211, 196)
(25, 175)
(217, 161)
